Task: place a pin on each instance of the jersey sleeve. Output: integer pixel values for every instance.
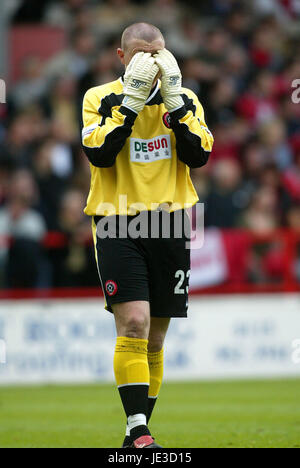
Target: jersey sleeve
(104, 135)
(194, 141)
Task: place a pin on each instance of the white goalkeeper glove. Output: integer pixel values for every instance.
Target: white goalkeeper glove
(138, 80)
(171, 79)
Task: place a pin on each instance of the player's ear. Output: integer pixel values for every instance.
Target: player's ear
(121, 54)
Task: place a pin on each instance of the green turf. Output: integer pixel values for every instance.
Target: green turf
(198, 414)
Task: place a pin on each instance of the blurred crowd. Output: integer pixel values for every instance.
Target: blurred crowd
(240, 57)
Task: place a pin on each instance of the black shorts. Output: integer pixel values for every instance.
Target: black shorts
(153, 268)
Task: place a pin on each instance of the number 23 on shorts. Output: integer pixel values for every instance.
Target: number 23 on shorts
(182, 276)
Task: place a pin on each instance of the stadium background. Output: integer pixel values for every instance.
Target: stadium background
(241, 58)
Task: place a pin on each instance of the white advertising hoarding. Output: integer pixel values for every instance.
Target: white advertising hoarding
(224, 337)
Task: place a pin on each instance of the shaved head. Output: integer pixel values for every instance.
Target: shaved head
(142, 33)
(140, 37)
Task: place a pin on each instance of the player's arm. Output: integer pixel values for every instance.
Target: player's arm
(103, 138)
(193, 139)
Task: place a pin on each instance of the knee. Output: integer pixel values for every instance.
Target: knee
(158, 331)
(137, 326)
(133, 321)
(156, 342)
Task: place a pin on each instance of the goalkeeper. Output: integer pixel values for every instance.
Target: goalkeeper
(142, 133)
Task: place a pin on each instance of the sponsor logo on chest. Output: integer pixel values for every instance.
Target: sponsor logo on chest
(150, 150)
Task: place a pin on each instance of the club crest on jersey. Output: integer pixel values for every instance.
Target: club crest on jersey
(167, 120)
(148, 151)
(111, 287)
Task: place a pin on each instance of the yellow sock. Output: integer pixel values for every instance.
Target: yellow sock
(156, 368)
(130, 361)
(132, 374)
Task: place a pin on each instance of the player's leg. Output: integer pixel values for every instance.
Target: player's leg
(133, 321)
(124, 276)
(158, 330)
(169, 264)
(131, 367)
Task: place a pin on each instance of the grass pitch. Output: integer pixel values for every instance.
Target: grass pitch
(261, 414)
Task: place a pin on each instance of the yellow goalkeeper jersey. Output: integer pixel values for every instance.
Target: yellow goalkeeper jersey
(141, 161)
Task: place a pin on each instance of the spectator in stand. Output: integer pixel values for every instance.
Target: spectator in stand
(274, 140)
(71, 217)
(225, 146)
(239, 22)
(262, 214)
(69, 13)
(105, 68)
(201, 181)
(223, 202)
(23, 228)
(253, 160)
(31, 86)
(199, 76)
(51, 185)
(74, 265)
(60, 106)
(23, 131)
(221, 101)
(111, 15)
(167, 15)
(76, 60)
(265, 48)
(291, 179)
(270, 176)
(237, 67)
(258, 104)
(293, 217)
(290, 114)
(293, 222)
(185, 39)
(5, 172)
(217, 42)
